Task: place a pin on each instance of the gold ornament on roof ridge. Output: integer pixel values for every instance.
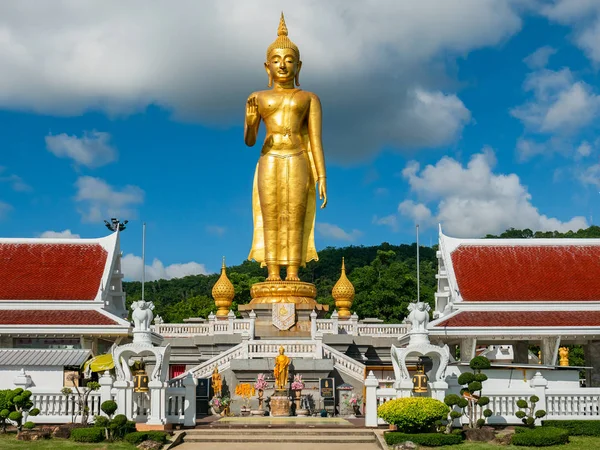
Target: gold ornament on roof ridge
(343, 294)
(223, 292)
(283, 41)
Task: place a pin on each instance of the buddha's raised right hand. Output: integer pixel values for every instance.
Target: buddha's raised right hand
(252, 116)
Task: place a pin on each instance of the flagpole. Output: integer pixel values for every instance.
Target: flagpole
(418, 271)
(143, 257)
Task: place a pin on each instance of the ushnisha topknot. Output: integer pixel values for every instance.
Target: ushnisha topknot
(283, 41)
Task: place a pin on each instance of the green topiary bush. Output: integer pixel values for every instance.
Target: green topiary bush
(576, 427)
(427, 439)
(529, 416)
(101, 422)
(540, 437)
(158, 436)
(29, 425)
(87, 434)
(137, 437)
(413, 414)
(109, 407)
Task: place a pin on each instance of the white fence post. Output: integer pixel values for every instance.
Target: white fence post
(252, 317)
(539, 384)
(371, 385)
(211, 324)
(231, 318)
(313, 324)
(335, 322)
(106, 384)
(190, 401)
(354, 322)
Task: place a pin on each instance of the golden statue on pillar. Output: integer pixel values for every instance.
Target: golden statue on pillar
(290, 169)
(217, 382)
(281, 369)
(563, 352)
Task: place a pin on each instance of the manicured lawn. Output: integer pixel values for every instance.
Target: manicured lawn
(9, 442)
(576, 443)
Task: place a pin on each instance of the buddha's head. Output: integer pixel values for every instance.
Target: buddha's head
(283, 58)
(281, 350)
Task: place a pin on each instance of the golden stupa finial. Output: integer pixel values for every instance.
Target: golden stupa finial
(343, 294)
(283, 41)
(223, 292)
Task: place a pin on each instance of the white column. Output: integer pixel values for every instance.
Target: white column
(252, 317)
(106, 384)
(550, 345)
(467, 349)
(211, 324)
(123, 406)
(335, 320)
(158, 405)
(539, 384)
(371, 385)
(230, 318)
(190, 401)
(354, 322)
(313, 324)
(245, 353)
(319, 349)
(438, 390)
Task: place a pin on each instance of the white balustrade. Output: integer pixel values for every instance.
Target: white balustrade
(56, 407)
(345, 363)
(293, 349)
(210, 328)
(354, 328)
(175, 404)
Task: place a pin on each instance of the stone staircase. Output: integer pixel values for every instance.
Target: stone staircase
(353, 438)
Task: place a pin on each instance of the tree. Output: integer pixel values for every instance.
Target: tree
(15, 405)
(82, 397)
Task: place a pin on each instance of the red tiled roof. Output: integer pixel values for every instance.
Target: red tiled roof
(527, 272)
(523, 319)
(51, 271)
(53, 317)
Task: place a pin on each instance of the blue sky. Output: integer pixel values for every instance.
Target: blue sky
(479, 115)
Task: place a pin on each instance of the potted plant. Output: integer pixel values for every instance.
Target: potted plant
(219, 405)
(354, 402)
(297, 385)
(260, 385)
(246, 391)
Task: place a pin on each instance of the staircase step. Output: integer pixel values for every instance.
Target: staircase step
(280, 432)
(267, 437)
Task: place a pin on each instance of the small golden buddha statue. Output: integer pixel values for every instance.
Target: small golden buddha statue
(290, 166)
(564, 356)
(217, 383)
(281, 369)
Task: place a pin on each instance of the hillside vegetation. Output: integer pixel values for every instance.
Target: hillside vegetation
(384, 277)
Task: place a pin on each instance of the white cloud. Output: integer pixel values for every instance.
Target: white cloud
(332, 231)
(560, 105)
(65, 234)
(472, 201)
(16, 182)
(131, 266)
(584, 17)
(92, 149)
(120, 57)
(216, 230)
(390, 221)
(539, 58)
(100, 200)
(584, 150)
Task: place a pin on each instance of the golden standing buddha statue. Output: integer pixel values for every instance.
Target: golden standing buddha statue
(281, 369)
(291, 164)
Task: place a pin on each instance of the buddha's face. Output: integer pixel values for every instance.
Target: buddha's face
(283, 65)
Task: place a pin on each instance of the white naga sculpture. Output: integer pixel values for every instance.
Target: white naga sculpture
(418, 316)
(142, 315)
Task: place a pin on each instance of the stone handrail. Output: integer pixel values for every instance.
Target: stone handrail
(56, 407)
(212, 327)
(345, 363)
(354, 328)
(205, 369)
(293, 349)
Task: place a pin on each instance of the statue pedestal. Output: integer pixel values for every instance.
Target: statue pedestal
(296, 292)
(280, 404)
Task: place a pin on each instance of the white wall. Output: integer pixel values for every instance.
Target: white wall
(45, 377)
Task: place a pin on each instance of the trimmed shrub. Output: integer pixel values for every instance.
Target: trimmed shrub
(101, 422)
(427, 439)
(109, 407)
(29, 425)
(87, 434)
(158, 436)
(137, 437)
(413, 414)
(540, 437)
(575, 427)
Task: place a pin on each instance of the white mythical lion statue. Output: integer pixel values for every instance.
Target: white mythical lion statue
(142, 315)
(418, 316)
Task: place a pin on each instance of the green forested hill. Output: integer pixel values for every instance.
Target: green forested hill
(384, 277)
